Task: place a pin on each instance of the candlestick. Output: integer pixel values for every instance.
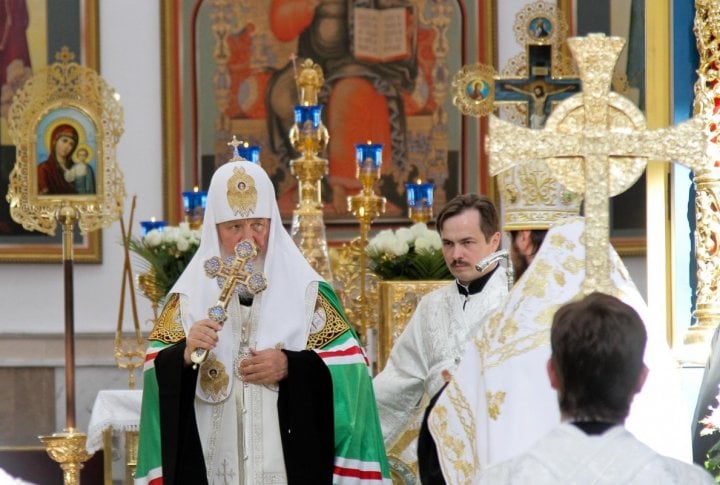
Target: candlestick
(366, 206)
(148, 226)
(194, 202)
(420, 201)
(309, 137)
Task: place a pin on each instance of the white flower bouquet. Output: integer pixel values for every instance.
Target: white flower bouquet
(166, 253)
(413, 253)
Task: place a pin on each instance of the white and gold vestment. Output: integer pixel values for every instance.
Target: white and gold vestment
(500, 401)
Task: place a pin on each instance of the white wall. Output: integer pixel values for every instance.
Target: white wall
(32, 294)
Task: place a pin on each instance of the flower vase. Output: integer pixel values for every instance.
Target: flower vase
(148, 285)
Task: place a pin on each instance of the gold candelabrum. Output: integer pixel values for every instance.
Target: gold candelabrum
(310, 137)
(366, 206)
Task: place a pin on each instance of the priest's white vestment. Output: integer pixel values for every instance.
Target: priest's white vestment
(434, 340)
(569, 456)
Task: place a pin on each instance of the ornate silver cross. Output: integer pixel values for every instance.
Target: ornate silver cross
(232, 276)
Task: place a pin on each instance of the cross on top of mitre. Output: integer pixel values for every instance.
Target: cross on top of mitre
(596, 143)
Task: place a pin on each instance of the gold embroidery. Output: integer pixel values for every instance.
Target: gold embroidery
(451, 447)
(168, 327)
(334, 325)
(574, 265)
(557, 240)
(241, 193)
(494, 402)
(214, 379)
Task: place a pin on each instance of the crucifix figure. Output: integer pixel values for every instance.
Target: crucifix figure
(235, 143)
(230, 277)
(539, 89)
(595, 143)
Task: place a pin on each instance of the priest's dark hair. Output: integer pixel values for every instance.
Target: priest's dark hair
(489, 220)
(597, 345)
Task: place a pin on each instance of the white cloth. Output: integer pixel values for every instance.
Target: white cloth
(280, 317)
(567, 455)
(500, 400)
(118, 409)
(434, 340)
(7, 479)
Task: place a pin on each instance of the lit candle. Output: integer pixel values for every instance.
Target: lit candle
(194, 202)
(308, 117)
(369, 157)
(148, 226)
(251, 153)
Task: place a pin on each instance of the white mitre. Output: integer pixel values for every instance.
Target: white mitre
(500, 401)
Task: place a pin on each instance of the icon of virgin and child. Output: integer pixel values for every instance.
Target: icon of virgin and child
(67, 168)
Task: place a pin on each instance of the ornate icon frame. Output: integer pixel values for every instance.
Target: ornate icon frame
(65, 101)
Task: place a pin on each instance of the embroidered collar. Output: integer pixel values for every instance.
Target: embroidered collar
(475, 286)
(593, 427)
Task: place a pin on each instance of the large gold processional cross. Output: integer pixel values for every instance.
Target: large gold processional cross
(595, 143)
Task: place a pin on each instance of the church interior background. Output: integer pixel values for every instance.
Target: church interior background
(171, 141)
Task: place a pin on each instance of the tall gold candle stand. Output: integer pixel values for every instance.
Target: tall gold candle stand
(366, 207)
(129, 352)
(74, 96)
(310, 137)
(68, 448)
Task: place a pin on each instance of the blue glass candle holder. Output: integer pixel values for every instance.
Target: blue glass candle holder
(369, 157)
(308, 118)
(420, 201)
(194, 202)
(148, 226)
(251, 153)
(419, 194)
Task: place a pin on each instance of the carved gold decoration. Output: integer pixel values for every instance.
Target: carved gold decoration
(540, 23)
(473, 90)
(398, 300)
(348, 271)
(310, 79)
(68, 449)
(707, 182)
(65, 87)
(308, 225)
(582, 126)
(533, 199)
(132, 440)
